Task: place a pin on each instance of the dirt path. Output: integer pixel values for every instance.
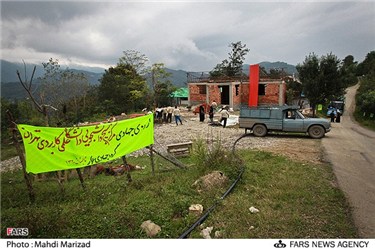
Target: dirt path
(351, 150)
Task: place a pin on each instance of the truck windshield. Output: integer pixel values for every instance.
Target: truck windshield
(300, 114)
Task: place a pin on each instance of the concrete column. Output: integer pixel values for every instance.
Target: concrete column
(231, 94)
(207, 94)
(281, 94)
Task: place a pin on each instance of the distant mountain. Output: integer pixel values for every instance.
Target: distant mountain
(178, 77)
(14, 90)
(11, 88)
(288, 68)
(9, 69)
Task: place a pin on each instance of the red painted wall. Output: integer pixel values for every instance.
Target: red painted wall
(253, 86)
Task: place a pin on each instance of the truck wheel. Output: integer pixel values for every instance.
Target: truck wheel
(259, 130)
(316, 131)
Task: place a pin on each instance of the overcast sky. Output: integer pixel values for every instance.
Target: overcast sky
(193, 36)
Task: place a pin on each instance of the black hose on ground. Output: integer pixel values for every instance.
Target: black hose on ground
(205, 215)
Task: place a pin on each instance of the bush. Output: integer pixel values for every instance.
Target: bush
(213, 156)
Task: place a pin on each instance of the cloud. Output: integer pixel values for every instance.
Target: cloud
(184, 35)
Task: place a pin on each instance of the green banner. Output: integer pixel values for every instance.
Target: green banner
(51, 149)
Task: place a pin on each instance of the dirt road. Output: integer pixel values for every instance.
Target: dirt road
(351, 150)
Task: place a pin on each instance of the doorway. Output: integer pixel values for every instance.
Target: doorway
(224, 94)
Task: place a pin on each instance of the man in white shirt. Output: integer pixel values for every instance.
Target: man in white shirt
(224, 115)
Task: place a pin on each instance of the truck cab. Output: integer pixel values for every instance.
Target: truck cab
(261, 120)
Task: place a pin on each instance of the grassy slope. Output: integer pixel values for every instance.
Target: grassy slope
(295, 201)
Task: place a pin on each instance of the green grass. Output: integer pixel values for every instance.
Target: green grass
(295, 200)
(7, 152)
(365, 121)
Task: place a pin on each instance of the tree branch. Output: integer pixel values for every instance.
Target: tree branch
(27, 87)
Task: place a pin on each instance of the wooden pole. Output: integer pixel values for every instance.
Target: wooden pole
(152, 160)
(180, 165)
(61, 184)
(127, 168)
(80, 178)
(21, 155)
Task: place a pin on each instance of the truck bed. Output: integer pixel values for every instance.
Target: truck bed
(270, 116)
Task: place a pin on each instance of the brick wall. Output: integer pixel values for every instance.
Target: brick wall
(271, 96)
(195, 96)
(214, 93)
(245, 94)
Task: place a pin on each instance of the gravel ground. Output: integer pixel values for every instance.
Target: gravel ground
(296, 147)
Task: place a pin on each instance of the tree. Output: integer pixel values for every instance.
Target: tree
(277, 73)
(64, 92)
(366, 101)
(367, 67)
(294, 89)
(233, 66)
(28, 86)
(309, 75)
(365, 98)
(320, 79)
(13, 107)
(348, 71)
(162, 85)
(330, 79)
(136, 60)
(236, 58)
(122, 88)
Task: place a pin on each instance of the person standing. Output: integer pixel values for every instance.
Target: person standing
(177, 114)
(201, 113)
(211, 114)
(332, 115)
(159, 112)
(164, 114)
(224, 116)
(169, 115)
(338, 116)
(214, 105)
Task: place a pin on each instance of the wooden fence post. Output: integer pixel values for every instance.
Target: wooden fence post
(60, 182)
(127, 168)
(21, 155)
(152, 159)
(80, 177)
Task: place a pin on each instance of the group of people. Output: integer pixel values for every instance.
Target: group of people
(224, 114)
(335, 114)
(164, 115)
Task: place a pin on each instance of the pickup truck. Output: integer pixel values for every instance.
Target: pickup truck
(261, 120)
